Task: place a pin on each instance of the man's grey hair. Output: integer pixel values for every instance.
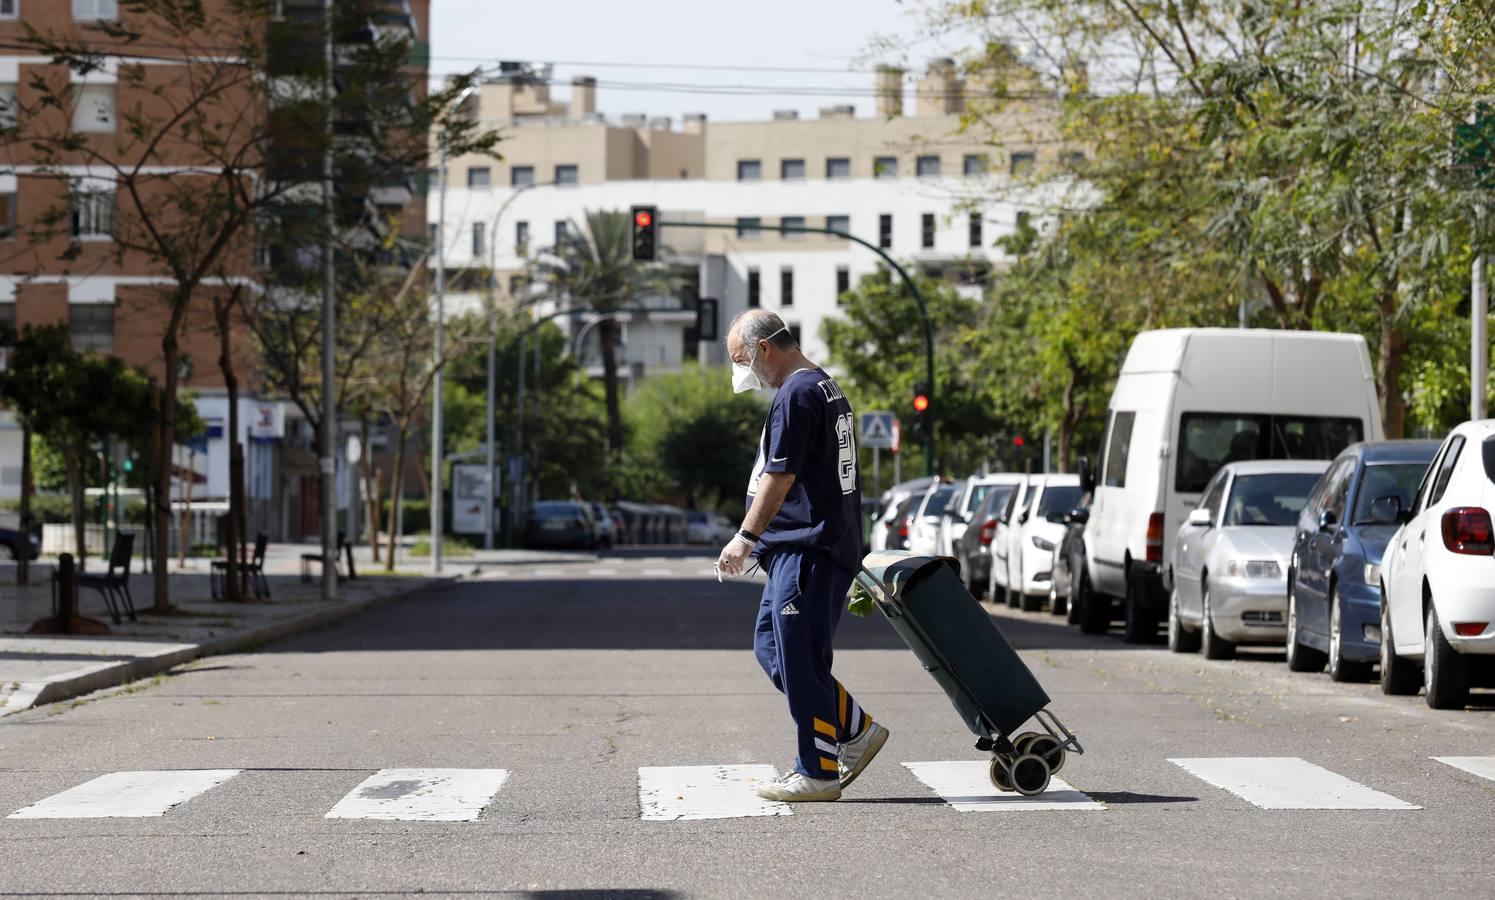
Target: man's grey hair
(756, 325)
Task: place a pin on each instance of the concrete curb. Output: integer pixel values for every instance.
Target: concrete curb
(98, 676)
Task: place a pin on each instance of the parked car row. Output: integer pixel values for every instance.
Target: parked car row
(583, 525)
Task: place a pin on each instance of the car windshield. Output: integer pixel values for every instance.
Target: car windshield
(978, 494)
(996, 498)
(939, 500)
(1397, 480)
(1274, 499)
(1058, 498)
(1210, 440)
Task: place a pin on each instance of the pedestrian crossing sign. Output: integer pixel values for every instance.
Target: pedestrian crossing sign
(877, 429)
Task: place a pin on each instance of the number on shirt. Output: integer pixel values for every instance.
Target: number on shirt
(847, 457)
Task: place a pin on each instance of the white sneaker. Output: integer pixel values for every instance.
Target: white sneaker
(856, 753)
(796, 788)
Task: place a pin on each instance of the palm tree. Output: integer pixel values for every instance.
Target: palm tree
(593, 269)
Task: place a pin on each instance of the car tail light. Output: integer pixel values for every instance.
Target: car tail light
(903, 528)
(1469, 629)
(988, 531)
(1467, 530)
(1155, 537)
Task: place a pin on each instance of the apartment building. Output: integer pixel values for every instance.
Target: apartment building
(915, 183)
(112, 303)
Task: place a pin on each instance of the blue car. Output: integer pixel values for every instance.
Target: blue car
(1333, 582)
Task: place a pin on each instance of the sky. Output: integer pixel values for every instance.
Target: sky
(671, 57)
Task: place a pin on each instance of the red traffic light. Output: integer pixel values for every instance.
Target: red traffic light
(643, 218)
(1017, 441)
(921, 403)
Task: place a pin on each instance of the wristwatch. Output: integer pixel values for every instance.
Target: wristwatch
(747, 535)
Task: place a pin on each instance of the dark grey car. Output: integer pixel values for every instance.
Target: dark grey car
(973, 548)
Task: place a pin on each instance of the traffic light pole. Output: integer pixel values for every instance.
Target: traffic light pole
(912, 287)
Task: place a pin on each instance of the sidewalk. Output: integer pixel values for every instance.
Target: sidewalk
(36, 670)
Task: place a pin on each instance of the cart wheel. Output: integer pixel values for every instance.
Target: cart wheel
(999, 777)
(1030, 775)
(1047, 747)
(1020, 743)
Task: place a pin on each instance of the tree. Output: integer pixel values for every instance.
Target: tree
(697, 434)
(593, 268)
(241, 129)
(876, 343)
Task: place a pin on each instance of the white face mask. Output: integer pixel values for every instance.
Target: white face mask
(745, 378)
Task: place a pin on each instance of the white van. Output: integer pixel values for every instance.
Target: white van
(1189, 400)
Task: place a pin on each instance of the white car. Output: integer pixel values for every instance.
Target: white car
(1231, 557)
(708, 528)
(924, 535)
(1004, 540)
(891, 500)
(1030, 553)
(959, 512)
(1438, 575)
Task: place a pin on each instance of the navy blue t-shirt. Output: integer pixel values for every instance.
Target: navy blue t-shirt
(810, 434)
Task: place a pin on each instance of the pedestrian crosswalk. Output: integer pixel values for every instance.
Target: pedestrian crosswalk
(703, 792)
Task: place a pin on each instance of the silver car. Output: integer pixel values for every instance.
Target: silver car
(1231, 557)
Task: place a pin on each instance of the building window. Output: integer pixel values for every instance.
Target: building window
(9, 9)
(8, 313)
(91, 213)
(92, 325)
(479, 177)
(94, 111)
(786, 286)
(1074, 158)
(885, 231)
(94, 10)
(755, 288)
(927, 166)
(8, 103)
(7, 216)
(566, 175)
(479, 242)
(885, 167)
(560, 232)
(973, 230)
(843, 282)
(838, 223)
(521, 238)
(793, 333)
(1022, 162)
(522, 176)
(749, 169)
(793, 222)
(747, 228)
(838, 167)
(973, 164)
(792, 169)
(926, 231)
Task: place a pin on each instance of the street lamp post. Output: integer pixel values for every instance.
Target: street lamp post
(437, 381)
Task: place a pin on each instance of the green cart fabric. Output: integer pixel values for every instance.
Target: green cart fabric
(955, 639)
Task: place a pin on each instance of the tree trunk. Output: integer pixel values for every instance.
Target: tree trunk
(165, 440)
(74, 463)
(607, 334)
(222, 311)
(396, 485)
(374, 507)
(1390, 360)
(23, 565)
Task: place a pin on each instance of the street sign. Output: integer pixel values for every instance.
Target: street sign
(878, 428)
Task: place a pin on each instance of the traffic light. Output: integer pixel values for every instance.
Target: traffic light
(922, 414)
(645, 224)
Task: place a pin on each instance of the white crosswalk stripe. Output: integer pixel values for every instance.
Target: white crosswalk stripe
(688, 793)
(422, 795)
(127, 794)
(1287, 782)
(966, 787)
(1483, 766)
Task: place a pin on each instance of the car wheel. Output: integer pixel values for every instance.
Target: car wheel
(1180, 639)
(10, 552)
(1079, 594)
(1012, 598)
(976, 586)
(1140, 625)
(1398, 675)
(1299, 657)
(1446, 672)
(1030, 602)
(1341, 669)
(1210, 643)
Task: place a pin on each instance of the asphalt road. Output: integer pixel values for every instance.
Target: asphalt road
(571, 678)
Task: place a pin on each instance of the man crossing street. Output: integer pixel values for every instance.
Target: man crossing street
(803, 523)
